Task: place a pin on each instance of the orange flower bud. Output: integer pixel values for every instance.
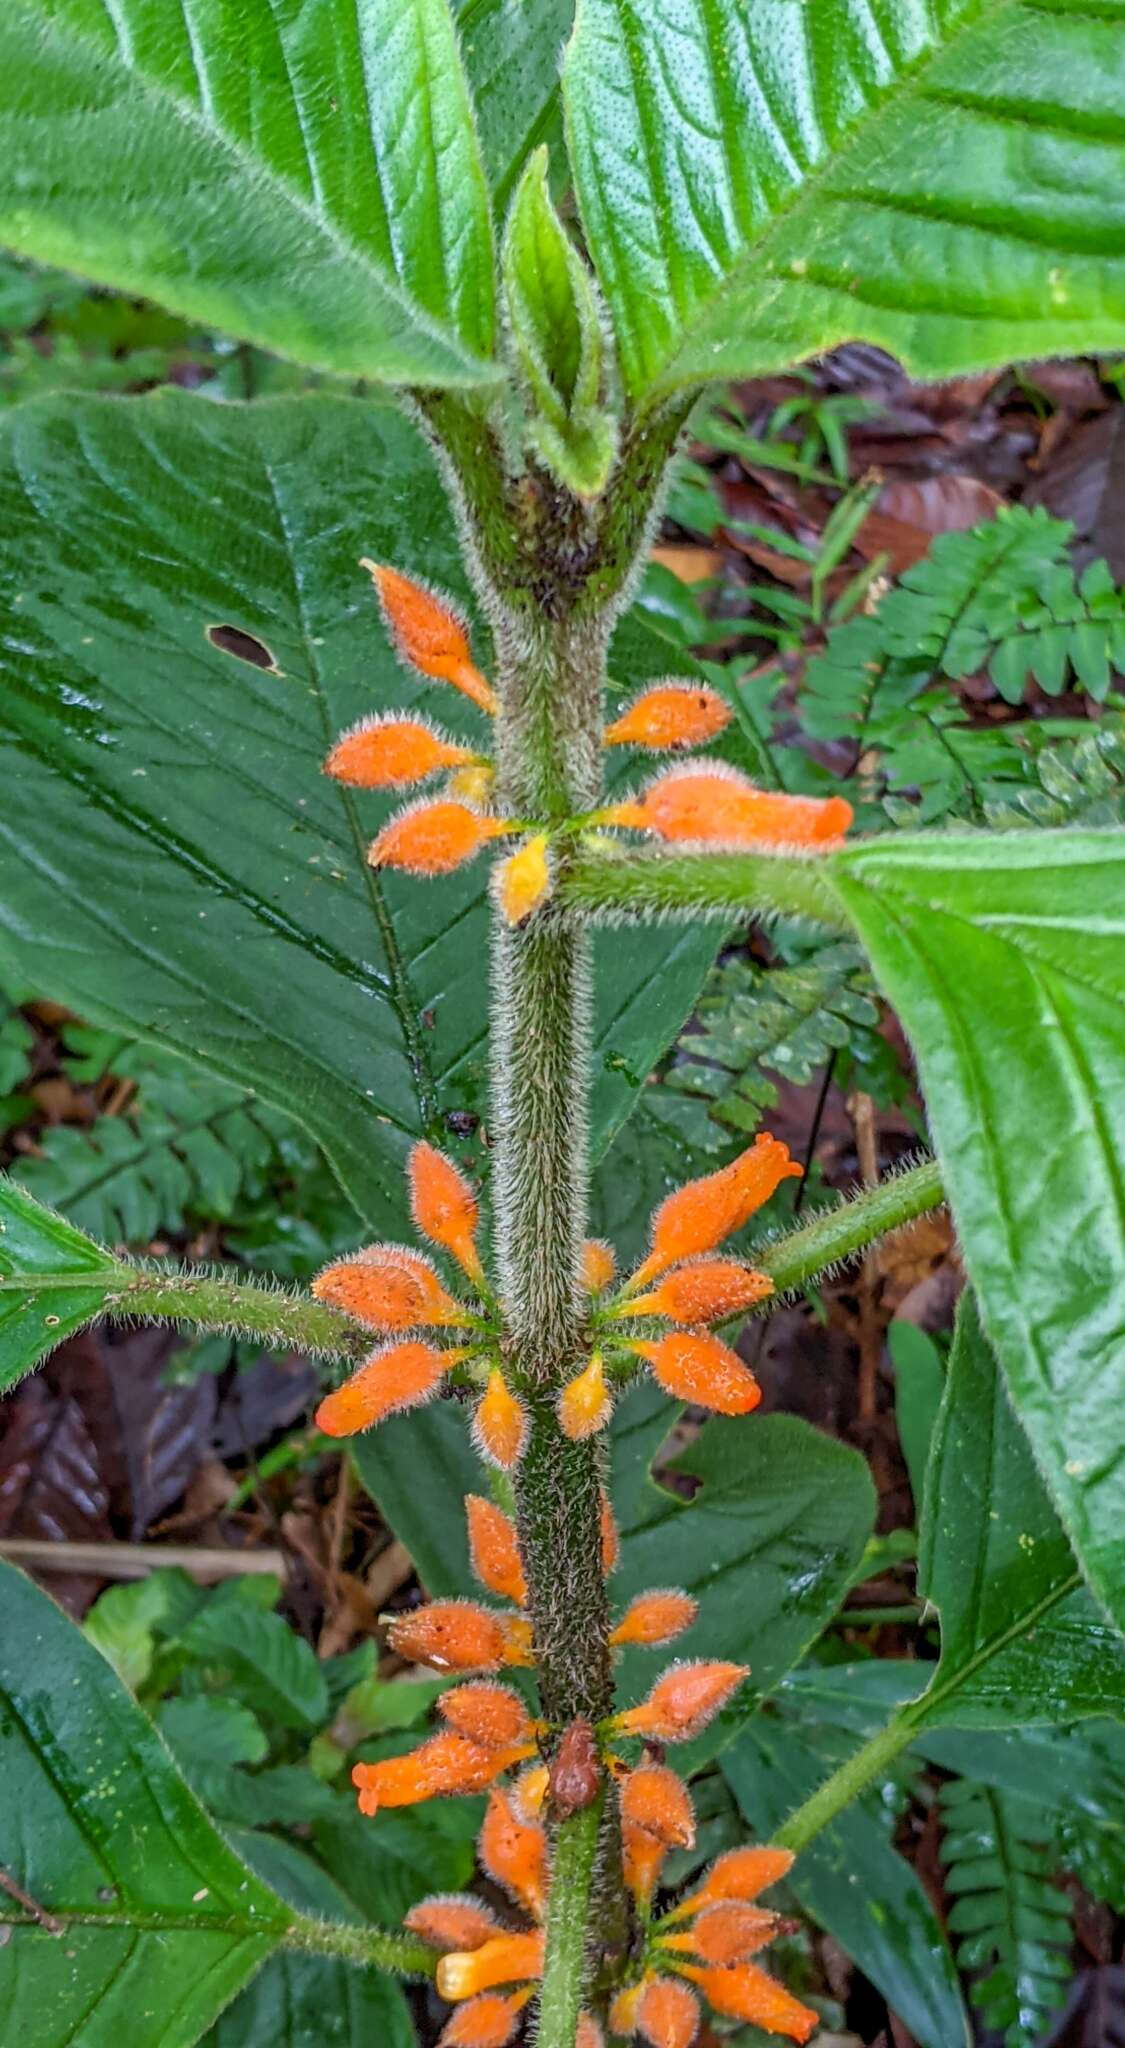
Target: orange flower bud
(589, 2033)
(446, 1763)
(506, 1959)
(452, 1920)
(500, 1424)
(494, 1550)
(429, 633)
(492, 1715)
(739, 1874)
(473, 785)
(744, 1992)
(654, 1799)
(518, 1645)
(623, 2011)
(683, 1701)
(514, 1852)
(523, 881)
(726, 1933)
(703, 1291)
(487, 2021)
(611, 1547)
(585, 1404)
(390, 753)
(670, 714)
(691, 1365)
(433, 838)
(389, 1287)
(444, 1206)
(699, 1216)
(710, 803)
(529, 1792)
(656, 1617)
(642, 1859)
(397, 1376)
(668, 2014)
(598, 1265)
(452, 1635)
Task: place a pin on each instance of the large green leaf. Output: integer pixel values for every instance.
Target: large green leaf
(306, 178)
(761, 179)
(851, 1879)
(52, 1281)
(162, 1924)
(511, 51)
(1005, 959)
(172, 861)
(1021, 1640)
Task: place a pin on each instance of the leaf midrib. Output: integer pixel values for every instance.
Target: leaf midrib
(259, 173)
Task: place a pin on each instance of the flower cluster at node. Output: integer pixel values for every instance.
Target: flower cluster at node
(492, 1741)
(706, 804)
(660, 1315)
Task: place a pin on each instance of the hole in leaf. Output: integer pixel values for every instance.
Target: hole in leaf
(244, 646)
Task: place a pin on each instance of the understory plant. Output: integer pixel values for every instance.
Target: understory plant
(454, 955)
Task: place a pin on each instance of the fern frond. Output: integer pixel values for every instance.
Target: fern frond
(1011, 1922)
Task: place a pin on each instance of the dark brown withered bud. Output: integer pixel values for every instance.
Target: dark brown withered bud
(576, 1771)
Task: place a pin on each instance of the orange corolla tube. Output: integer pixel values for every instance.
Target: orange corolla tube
(433, 838)
(656, 1800)
(389, 1287)
(452, 1920)
(444, 1206)
(670, 714)
(683, 1701)
(739, 1874)
(585, 1403)
(691, 1365)
(702, 1291)
(429, 632)
(494, 1551)
(655, 1617)
(453, 1635)
(396, 1377)
(708, 803)
(447, 1763)
(385, 752)
(698, 1216)
(493, 1716)
(744, 1992)
(506, 1959)
(514, 1852)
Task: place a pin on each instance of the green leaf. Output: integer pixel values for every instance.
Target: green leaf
(1020, 1638)
(556, 337)
(511, 52)
(273, 1667)
(217, 900)
(328, 201)
(125, 1622)
(299, 2001)
(1005, 959)
(775, 1527)
(851, 1880)
(163, 1923)
(52, 1281)
(919, 1384)
(759, 183)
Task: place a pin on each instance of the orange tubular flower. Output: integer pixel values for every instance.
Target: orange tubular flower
(668, 2013)
(446, 1763)
(598, 1265)
(623, 2011)
(493, 1716)
(514, 1853)
(703, 1291)
(656, 1801)
(487, 2021)
(683, 1701)
(429, 633)
(746, 1993)
(452, 1920)
(611, 1546)
(699, 1216)
(391, 753)
(500, 1424)
(529, 1792)
(585, 1403)
(670, 714)
(433, 838)
(656, 1617)
(691, 1365)
(452, 1635)
(397, 1377)
(642, 1859)
(444, 1206)
(494, 1550)
(523, 881)
(726, 1933)
(506, 1959)
(711, 804)
(390, 1288)
(739, 1874)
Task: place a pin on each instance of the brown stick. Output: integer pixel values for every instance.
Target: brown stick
(136, 1560)
(46, 1920)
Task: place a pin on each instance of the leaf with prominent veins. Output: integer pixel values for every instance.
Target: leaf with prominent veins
(762, 179)
(306, 178)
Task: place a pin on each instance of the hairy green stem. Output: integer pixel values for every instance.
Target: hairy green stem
(565, 1966)
(214, 1301)
(619, 885)
(369, 1947)
(846, 1783)
(841, 1232)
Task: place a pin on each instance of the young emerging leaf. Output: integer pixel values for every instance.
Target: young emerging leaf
(557, 338)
